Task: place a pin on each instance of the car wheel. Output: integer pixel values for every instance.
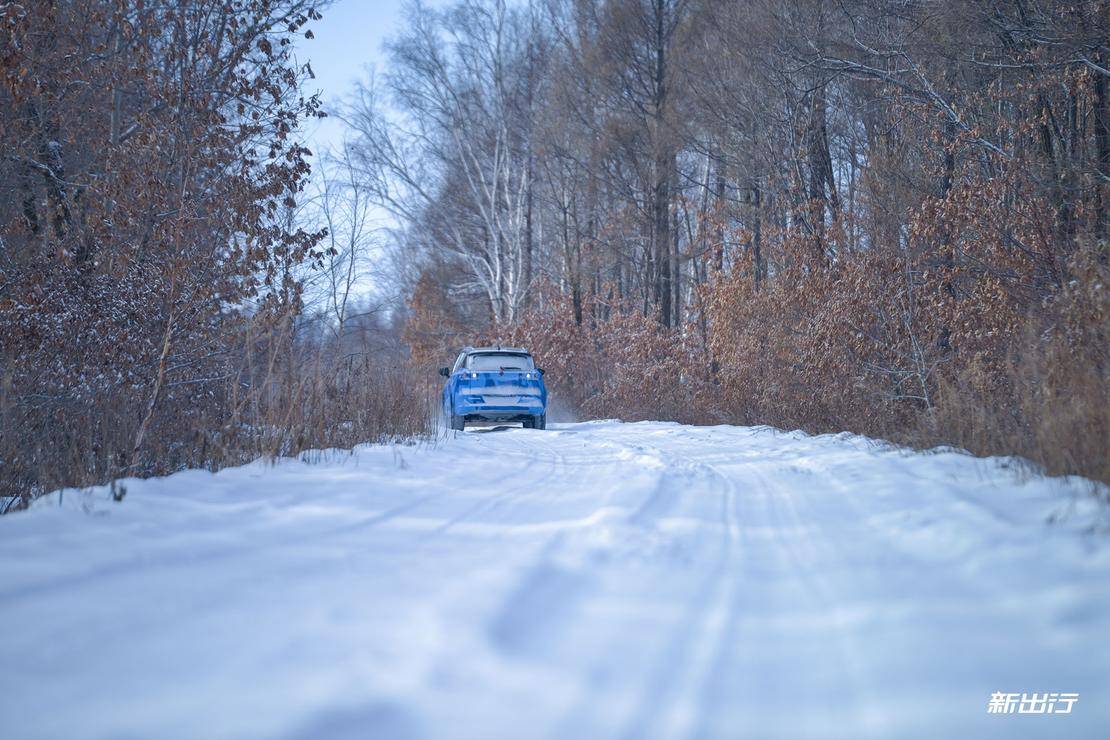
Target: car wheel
(537, 422)
(454, 421)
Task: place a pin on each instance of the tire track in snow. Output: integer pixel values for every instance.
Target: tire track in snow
(445, 491)
(557, 467)
(800, 548)
(668, 701)
(539, 608)
(671, 704)
(537, 445)
(687, 713)
(808, 546)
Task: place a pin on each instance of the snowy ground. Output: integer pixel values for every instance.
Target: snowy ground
(598, 580)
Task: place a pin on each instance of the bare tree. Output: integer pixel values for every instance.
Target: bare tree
(461, 80)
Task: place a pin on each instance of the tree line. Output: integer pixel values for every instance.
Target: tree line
(890, 218)
(151, 261)
(852, 214)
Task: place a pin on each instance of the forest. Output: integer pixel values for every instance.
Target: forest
(890, 218)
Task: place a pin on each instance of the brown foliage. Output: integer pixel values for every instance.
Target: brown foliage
(146, 246)
(887, 218)
(617, 363)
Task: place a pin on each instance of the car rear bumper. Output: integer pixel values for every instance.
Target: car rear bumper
(490, 412)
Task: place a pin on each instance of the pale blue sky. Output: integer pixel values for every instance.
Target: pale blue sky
(347, 41)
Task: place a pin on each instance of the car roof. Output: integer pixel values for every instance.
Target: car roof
(499, 348)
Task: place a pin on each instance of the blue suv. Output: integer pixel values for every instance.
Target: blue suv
(494, 384)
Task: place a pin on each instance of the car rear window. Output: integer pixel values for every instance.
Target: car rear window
(496, 361)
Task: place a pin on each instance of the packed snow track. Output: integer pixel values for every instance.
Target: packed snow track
(597, 580)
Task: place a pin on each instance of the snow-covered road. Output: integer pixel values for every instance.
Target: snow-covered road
(597, 580)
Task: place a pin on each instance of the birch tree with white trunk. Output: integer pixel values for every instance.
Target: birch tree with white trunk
(451, 134)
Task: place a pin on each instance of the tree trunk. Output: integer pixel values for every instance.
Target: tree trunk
(719, 249)
(661, 172)
(529, 236)
(757, 234)
(1102, 146)
(820, 172)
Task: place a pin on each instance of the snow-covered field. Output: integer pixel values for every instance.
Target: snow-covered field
(597, 580)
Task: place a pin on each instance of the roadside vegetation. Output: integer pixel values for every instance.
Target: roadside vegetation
(887, 218)
(154, 307)
(892, 219)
